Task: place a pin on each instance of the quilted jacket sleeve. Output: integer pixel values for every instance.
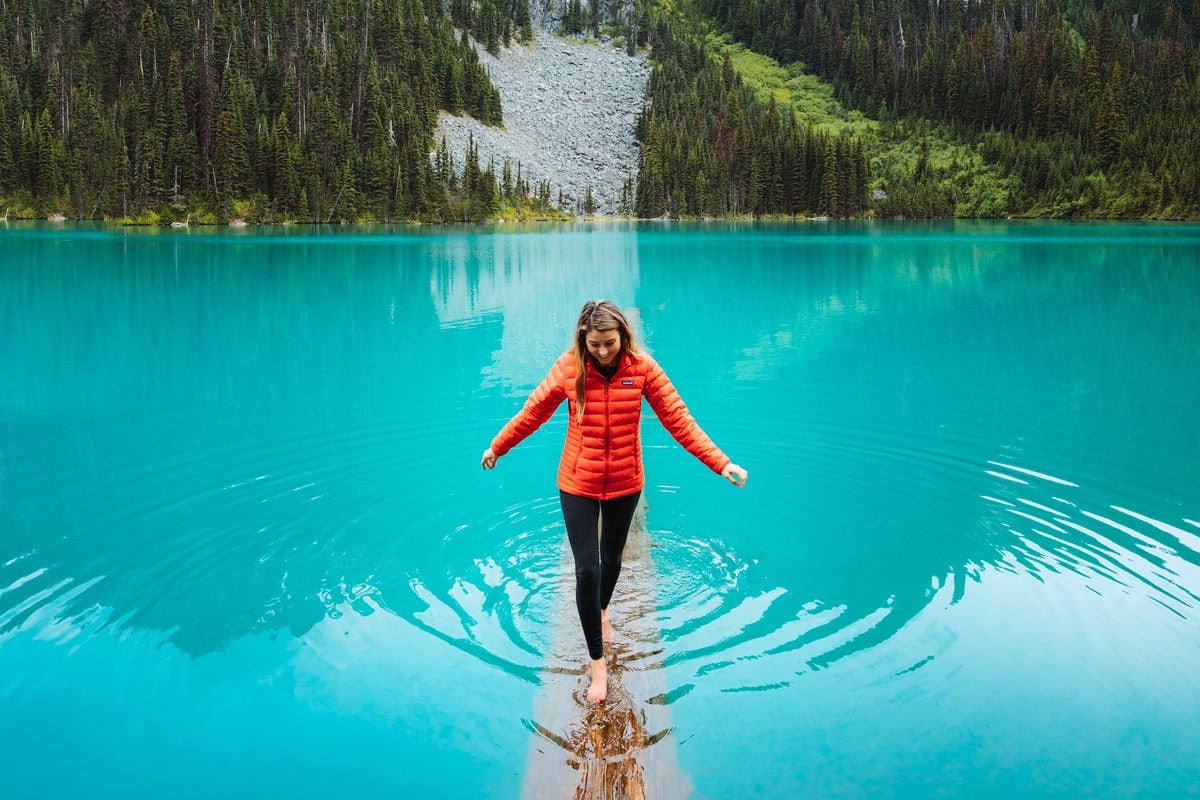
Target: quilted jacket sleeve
(678, 421)
(541, 405)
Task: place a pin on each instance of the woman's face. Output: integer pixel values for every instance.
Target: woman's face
(604, 346)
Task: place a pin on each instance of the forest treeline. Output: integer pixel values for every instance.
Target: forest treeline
(322, 110)
(1092, 105)
(309, 110)
(710, 147)
(319, 110)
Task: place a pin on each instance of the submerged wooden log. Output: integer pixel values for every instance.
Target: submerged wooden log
(624, 748)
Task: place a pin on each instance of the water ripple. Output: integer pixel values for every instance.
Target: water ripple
(309, 527)
(273, 531)
(1120, 548)
(728, 621)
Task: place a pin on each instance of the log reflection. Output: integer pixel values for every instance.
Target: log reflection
(624, 748)
(607, 742)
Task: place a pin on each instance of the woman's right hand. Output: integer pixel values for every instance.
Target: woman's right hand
(735, 475)
(489, 459)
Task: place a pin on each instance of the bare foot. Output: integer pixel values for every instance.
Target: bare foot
(606, 628)
(598, 690)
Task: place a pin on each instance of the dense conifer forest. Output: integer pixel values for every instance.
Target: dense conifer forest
(313, 110)
(1092, 106)
(710, 147)
(316, 110)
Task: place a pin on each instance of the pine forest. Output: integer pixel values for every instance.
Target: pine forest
(322, 111)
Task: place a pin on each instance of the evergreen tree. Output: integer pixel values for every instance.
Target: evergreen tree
(285, 154)
(49, 178)
(1110, 130)
(180, 102)
(8, 169)
(1105, 93)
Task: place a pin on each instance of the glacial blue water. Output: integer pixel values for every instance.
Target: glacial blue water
(246, 548)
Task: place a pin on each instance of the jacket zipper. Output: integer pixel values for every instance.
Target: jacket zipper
(607, 439)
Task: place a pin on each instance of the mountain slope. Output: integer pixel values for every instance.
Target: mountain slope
(570, 114)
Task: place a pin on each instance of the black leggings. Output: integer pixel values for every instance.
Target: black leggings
(597, 559)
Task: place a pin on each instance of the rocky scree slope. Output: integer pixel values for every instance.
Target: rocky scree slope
(570, 113)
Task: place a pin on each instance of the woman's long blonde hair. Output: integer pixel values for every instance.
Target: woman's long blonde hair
(600, 316)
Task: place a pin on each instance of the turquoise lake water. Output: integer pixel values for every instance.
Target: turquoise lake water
(246, 548)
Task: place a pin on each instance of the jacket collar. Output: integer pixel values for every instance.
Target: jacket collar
(622, 362)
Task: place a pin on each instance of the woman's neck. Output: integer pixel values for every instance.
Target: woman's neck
(607, 371)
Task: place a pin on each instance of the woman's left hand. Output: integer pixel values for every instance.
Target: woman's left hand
(735, 475)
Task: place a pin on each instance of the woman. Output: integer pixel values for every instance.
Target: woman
(603, 378)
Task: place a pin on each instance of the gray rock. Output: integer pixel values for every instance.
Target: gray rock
(570, 112)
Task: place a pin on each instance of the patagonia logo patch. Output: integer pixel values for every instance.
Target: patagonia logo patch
(627, 381)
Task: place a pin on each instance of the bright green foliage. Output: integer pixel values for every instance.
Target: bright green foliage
(1080, 107)
(715, 145)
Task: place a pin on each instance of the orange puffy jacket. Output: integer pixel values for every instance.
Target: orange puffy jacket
(602, 457)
